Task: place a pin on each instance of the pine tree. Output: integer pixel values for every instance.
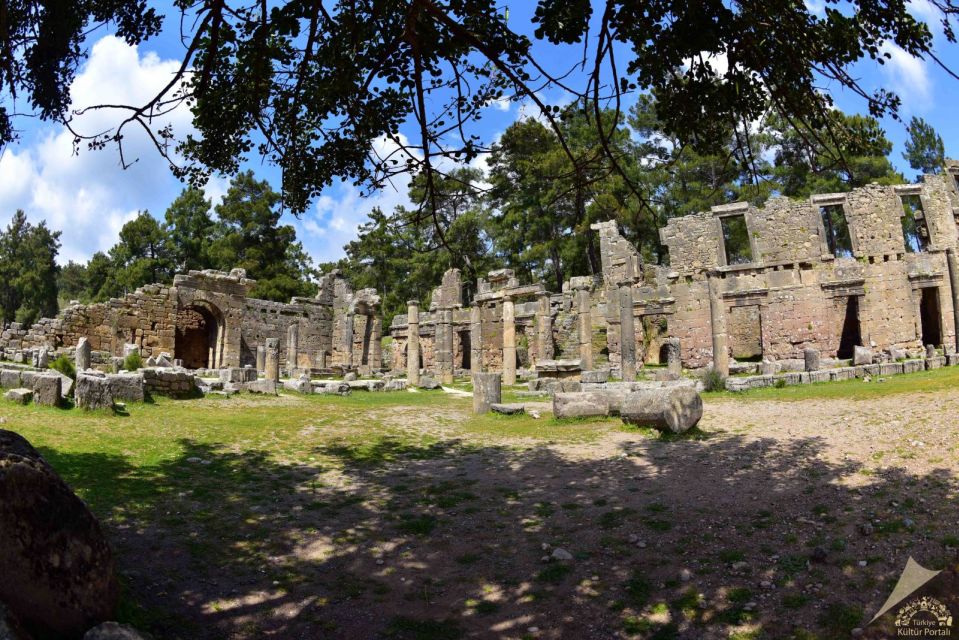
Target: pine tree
(924, 148)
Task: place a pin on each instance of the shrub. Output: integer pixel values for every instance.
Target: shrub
(133, 362)
(64, 366)
(714, 380)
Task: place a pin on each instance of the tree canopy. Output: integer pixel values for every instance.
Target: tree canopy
(28, 270)
(924, 149)
(321, 89)
(243, 231)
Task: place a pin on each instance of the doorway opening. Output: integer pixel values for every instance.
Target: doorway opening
(851, 336)
(929, 316)
(197, 337)
(465, 346)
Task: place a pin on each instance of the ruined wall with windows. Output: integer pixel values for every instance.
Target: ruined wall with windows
(835, 271)
(866, 267)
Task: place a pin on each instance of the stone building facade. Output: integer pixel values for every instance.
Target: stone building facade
(874, 267)
(207, 320)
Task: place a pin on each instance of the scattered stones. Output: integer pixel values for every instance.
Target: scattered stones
(561, 554)
(595, 376)
(126, 387)
(46, 389)
(510, 409)
(861, 356)
(20, 395)
(429, 383)
(487, 392)
(93, 392)
(585, 404)
(676, 409)
(238, 374)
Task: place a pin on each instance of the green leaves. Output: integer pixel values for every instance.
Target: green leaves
(924, 148)
(28, 271)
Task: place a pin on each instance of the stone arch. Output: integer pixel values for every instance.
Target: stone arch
(198, 341)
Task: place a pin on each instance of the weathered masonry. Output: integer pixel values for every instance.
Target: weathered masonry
(207, 320)
(875, 267)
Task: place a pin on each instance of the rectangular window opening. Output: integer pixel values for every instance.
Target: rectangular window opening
(915, 234)
(837, 230)
(736, 240)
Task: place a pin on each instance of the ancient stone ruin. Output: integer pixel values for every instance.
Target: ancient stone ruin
(206, 320)
(868, 276)
(836, 286)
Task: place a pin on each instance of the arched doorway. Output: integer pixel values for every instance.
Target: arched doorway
(199, 330)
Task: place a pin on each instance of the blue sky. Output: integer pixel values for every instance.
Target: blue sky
(88, 196)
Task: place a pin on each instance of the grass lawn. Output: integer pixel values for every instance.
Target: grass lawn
(402, 515)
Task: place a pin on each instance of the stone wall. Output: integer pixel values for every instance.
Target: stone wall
(791, 294)
(207, 319)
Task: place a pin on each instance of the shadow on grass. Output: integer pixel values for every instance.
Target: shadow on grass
(446, 540)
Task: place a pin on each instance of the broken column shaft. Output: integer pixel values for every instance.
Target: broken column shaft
(476, 339)
(585, 327)
(627, 327)
(413, 343)
(954, 287)
(544, 329)
(509, 341)
(717, 320)
(444, 345)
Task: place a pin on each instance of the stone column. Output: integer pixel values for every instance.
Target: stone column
(811, 359)
(544, 329)
(627, 332)
(261, 358)
(487, 390)
(376, 343)
(413, 343)
(954, 288)
(674, 357)
(292, 347)
(476, 339)
(509, 341)
(444, 345)
(717, 320)
(348, 340)
(585, 328)
(272, 366)
(83, 354)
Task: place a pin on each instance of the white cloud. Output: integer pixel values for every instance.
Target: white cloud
(908, 77)
(337, 215)
(88, 196)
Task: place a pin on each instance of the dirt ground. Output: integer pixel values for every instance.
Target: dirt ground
(775, 520)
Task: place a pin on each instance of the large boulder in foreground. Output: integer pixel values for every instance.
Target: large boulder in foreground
(675, 409)
(56, 569)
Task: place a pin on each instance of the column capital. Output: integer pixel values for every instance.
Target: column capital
(412, 303)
